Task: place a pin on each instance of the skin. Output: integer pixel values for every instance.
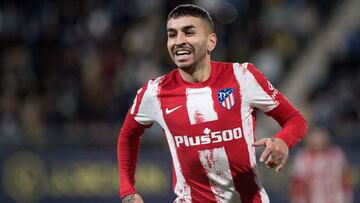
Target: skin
(195, 36)
(276, 152)
(318, 140)
(133, 198)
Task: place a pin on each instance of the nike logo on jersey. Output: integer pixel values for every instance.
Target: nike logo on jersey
(169, 111)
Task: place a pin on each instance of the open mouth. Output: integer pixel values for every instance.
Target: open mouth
(182, 52)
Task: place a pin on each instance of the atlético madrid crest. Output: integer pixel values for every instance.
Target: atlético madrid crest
(226, 97)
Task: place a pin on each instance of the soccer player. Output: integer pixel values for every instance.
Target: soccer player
(207, 110)
(320, 172)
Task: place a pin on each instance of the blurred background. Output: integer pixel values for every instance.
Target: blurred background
(69, 70)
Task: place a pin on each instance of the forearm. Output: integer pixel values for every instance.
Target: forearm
(293, 130)
(127, 151)
(294, 125)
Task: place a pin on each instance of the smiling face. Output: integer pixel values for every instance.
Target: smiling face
(190, 41)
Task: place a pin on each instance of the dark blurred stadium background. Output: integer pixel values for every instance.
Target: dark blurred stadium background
(70, 68)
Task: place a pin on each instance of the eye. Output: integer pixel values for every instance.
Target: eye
(171, 34)
(189, 33)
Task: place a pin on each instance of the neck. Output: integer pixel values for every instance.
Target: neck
(198, 73)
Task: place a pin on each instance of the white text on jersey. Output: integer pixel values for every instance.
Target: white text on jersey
(209, 137)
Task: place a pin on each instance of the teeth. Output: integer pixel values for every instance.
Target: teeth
(182, 52)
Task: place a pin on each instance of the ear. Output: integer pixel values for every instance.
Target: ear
(211, 43)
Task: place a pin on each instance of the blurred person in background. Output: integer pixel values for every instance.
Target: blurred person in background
(207, 110)
(320, 172)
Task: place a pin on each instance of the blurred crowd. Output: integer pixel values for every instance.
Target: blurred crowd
(70, 69)
(335, 100)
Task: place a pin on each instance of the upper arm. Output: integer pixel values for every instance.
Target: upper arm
(146, 107)
(257, 90)
(142, 107)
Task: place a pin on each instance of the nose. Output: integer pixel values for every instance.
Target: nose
(180, 39)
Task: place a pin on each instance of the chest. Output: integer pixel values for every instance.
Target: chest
(189, 111)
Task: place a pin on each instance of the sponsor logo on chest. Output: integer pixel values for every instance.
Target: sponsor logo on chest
(208, 137)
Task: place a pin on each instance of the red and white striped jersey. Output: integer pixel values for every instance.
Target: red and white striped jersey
(209, 127)
(321, 177)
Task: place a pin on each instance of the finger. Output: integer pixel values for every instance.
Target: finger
(282, 164)
(279, 159)
(265, 155)
(261, 142)
(276, 157)
(270, 160)
(271, 164)
(279, 168)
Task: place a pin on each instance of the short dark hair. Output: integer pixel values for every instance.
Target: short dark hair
(191, 10)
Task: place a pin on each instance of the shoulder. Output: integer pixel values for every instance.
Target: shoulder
(240, 70)
(152, 87)
(243, 66)
(146, 96)
(233, 65)
(246, 68)
(247, 72)
(221, 64)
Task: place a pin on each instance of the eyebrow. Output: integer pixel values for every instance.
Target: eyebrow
(183, 28)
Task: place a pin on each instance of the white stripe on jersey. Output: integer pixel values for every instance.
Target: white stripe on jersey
(228, 104)
(132, 110)
(246, 82)
(254, 94)
(232, 99)
(146, 112)
(243, 80)
(182, 190)
(200, 105)
(216, 165)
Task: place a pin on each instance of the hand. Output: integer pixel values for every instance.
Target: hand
(132, 198)
(276, 152)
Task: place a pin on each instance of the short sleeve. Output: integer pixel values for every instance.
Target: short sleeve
(262, 94)
(142, 107)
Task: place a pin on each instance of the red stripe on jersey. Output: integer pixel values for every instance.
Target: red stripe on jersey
(242, 172)
(173, 96)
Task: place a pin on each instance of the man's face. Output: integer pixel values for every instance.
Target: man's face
(189, 41)
(318, 140)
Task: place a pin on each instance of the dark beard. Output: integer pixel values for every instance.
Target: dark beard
(192, 67)
(189, 68)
